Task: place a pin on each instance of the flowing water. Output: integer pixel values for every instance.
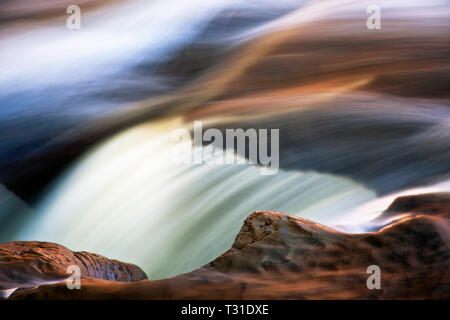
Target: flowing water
(128, 200)
(363, 117)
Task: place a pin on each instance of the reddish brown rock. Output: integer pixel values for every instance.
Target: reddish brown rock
(274, 256)
(30, 263)
(277, 256)
(429, 204)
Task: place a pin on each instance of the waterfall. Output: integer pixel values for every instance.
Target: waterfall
(127, 200)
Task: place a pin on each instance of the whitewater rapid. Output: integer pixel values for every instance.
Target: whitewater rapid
(128, 200)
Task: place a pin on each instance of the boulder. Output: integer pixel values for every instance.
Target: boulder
(29, 263)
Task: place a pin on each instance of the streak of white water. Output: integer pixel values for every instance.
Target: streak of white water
(127, 200)
(110, 41)
(359, 219)
(5, 293)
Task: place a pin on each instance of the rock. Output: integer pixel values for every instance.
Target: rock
(428, 203)
(278, 256)
(30, 263)
(276, 242)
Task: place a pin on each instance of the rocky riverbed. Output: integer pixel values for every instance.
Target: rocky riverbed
(274, 256)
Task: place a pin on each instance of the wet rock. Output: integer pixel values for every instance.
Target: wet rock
(428, 203)
(278, 256)
(31, 263)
